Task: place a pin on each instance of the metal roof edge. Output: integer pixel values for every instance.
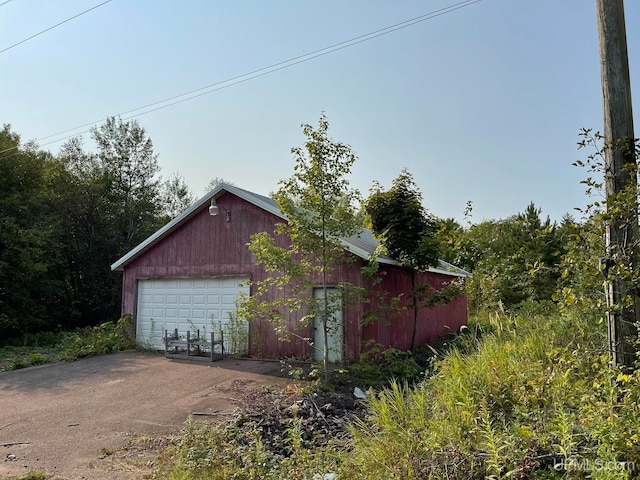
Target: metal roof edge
(270, 206)
(450, 273)
(453, 270)
(258, 200)
(445, 268)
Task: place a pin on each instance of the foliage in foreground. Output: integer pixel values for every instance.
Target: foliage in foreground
(320, 210)
(537, 399)
(239, 450)
(108, 337)
(532, 397)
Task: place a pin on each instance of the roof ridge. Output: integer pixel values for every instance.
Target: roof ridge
(363, 247)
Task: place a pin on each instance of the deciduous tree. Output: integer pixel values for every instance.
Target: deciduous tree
(176, 196)
(320, 209)
(407, 233)
(27, 231)
(126, 157)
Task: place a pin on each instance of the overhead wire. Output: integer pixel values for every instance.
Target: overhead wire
(50, 28)
(214, 87)
(4, 3)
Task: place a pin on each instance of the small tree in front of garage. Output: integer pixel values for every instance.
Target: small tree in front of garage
(320, 209)
(407, 233)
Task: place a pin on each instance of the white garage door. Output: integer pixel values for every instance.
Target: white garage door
(205, 304)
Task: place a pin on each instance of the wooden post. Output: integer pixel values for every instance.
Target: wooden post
(619, 152)
(213, 344)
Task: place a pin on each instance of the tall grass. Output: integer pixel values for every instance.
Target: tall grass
(534, 398)
(519, 396)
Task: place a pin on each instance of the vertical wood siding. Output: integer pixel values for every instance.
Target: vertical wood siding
(209, 246)
(396, 332)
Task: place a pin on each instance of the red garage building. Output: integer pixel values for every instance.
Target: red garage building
(190, 273)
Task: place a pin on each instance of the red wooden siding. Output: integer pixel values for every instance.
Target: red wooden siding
(209, 246)
(397, 332)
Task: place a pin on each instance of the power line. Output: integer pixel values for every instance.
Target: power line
(4, 3)
(50, 28)
(214, 87)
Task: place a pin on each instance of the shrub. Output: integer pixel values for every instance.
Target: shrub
(17, 363)
(37, 359)
(105, 338)
(237, 451)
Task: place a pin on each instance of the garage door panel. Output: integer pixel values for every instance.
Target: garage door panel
(199, 299)
(186, 304)
(228, 299)
(169, 327)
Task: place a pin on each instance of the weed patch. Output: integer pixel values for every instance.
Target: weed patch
(277, 434)
(30, 476)
(106, 338)
(535, 393)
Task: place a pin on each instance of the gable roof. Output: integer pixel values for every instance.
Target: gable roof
(364, 245)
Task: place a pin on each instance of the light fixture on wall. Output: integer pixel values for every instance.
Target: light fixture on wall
(214, 209)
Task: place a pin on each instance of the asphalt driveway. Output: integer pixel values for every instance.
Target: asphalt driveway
(58, 418)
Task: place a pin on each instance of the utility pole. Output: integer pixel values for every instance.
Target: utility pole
(619, 155)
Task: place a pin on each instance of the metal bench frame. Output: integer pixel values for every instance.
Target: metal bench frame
(174, 344)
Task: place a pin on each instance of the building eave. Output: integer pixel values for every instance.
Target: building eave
(363, 246)
(190, 212)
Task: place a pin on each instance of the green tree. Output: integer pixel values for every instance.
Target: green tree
(106, 203)
(87, 239)
(64, 219)
(320, 210)
(449, 234)
(513, 259)
(583, 268)
(176, 196)
(407, 233)
(607, 277)
(29, 290)
(128, 161)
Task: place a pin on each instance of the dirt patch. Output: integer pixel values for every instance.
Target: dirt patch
(322, 417)
(88, 419)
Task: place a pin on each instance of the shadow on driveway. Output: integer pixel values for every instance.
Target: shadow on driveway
(60, 376)
(57, 418)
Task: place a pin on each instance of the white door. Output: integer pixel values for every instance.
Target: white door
(190, 304)
(334, 326)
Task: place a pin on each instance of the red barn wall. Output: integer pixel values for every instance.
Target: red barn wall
(209, 246)
(397, 331)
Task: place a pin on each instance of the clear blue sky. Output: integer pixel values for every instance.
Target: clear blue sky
(482, 104)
